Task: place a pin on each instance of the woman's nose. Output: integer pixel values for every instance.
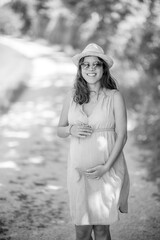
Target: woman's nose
(91, 67)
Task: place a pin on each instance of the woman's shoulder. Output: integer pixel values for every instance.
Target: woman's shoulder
(114, 94)
(110, 92)
(118, 98)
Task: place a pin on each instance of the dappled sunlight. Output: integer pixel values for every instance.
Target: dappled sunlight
(53, 187)
(47, 67)
(67, 68)
(59, 83)
(59, 99)
(47, 73)
(96, 202)
(85, 218)
(109, 190)
(14, 134)
(36, 160)
(48, 114)
(55, 121)
(131, 124)
(47, 134)
(13, 144)
(43, 104)
(43, 67)
(25, 115)
(141, 172)
(63, 80)
(32, 50)
(11, 153)
(137, 186)
(102, 143)
(9, 165)
(131, 121)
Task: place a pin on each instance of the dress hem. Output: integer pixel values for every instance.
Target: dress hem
(97, 223)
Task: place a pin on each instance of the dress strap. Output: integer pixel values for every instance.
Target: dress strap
(113, 92)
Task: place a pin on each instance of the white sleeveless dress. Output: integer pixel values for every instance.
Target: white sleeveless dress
(92, 201)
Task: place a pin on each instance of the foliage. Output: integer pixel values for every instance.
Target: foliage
(21, 8)
(9, 22)
(145, 53)
(104, 15)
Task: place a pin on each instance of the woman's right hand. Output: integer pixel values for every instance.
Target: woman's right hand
(81, 130)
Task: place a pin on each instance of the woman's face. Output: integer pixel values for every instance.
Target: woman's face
(92, 69)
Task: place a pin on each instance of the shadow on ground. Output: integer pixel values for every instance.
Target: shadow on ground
(151, 165)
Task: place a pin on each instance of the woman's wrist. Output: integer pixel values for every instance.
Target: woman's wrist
(106, 167)
(69, 129)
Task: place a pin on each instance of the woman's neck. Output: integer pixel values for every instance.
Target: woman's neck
(94, 88)
(94, 93)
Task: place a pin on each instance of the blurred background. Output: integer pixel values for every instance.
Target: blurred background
(37, 40)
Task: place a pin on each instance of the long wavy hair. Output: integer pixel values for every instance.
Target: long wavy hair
(81, 89)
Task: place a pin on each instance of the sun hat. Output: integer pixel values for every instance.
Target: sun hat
(92, 49)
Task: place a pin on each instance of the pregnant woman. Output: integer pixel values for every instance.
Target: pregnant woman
(94, 116)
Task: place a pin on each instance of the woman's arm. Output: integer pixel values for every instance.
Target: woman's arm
(121, 137)
(76, 130)
(121, 129)
(63, 129)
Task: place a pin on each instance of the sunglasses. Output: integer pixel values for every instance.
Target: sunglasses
(95, 65)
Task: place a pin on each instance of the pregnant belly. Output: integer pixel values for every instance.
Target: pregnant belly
(88, 153)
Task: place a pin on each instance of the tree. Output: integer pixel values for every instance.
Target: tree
(109, 14)
(143, 51)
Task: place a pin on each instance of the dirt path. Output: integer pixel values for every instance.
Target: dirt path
(33, 196)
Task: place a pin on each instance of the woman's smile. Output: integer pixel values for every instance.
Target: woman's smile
(91, 74)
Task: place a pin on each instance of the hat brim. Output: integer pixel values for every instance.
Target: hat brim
(77, 57)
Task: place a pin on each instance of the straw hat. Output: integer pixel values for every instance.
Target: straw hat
(92, 49)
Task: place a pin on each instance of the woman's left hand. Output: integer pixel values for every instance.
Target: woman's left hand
(96, 172)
